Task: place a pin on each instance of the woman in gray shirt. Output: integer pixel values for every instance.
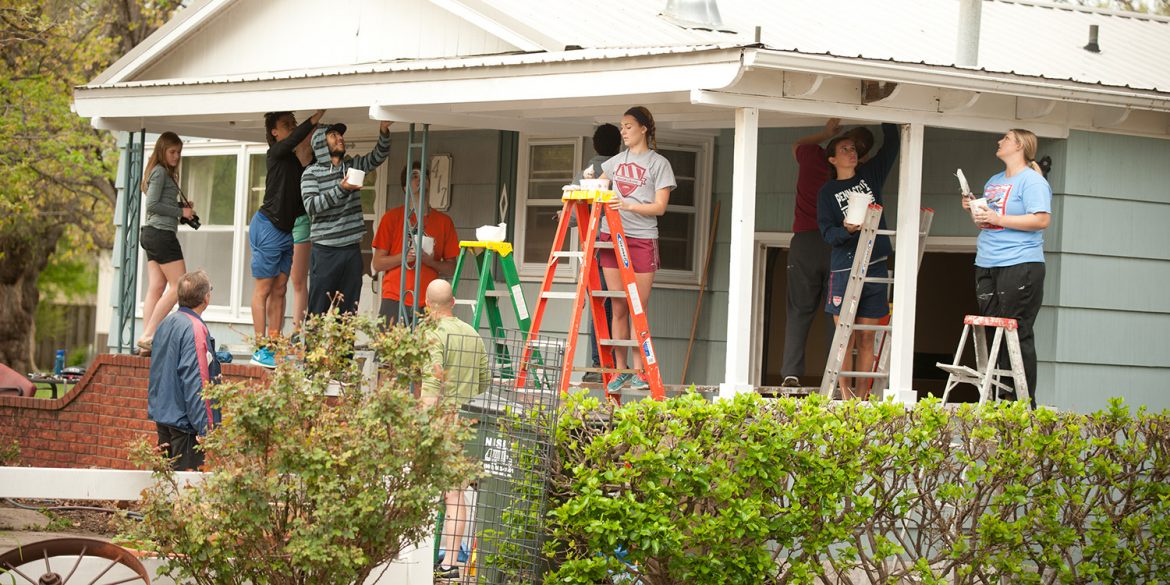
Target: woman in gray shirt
(164, 256)
(643, 180)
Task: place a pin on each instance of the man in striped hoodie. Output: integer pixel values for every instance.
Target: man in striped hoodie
(335, 212)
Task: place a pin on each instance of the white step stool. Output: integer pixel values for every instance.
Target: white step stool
(985, 376)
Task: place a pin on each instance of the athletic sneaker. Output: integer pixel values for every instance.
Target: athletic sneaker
(640, 383)
(617, 382)
(264, 358)
(591, 377)
(790, 382)
(446, 572)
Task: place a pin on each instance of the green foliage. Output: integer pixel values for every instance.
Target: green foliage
(801, 491)
(9, 452)
(309, 489)
(57, 173)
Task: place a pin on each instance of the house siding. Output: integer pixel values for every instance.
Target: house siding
(358, 31)
(1107, 312)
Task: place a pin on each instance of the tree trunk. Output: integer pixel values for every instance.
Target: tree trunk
(25, 253)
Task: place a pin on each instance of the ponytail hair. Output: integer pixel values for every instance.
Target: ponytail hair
(643, 116)
(1027, 140)
(158, 157)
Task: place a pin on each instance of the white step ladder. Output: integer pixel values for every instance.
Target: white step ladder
(985, 376)
(858, 277)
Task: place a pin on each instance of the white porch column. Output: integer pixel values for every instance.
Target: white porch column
(743, 230)
(906, 272)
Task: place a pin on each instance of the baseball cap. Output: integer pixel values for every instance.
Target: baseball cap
(338, 128)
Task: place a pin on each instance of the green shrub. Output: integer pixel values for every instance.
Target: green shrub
(9, 452)
(797, 491)
(304, 488)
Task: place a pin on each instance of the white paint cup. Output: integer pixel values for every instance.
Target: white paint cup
(980, 203)
(594, 184)
(355, 176)
(858, 204)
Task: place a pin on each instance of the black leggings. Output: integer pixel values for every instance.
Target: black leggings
(1015, 292)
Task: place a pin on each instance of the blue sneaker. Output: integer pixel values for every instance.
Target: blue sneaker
(640, 383)
(264, 358)
(618, 382)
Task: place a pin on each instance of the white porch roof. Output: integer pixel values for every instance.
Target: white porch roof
(563, 66)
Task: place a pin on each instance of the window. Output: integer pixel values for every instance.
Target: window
(209, 182)
(546, 165)
(226, 181)
(552, 164)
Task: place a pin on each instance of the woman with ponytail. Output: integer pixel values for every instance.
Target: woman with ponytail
(643, 180)
(158, 238)
(1009, 260)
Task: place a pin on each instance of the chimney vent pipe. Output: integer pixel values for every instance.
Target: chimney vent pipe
(1093, 47)
(694, 13)
(967, 47)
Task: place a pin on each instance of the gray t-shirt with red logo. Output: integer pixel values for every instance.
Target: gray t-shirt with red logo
(638, 177)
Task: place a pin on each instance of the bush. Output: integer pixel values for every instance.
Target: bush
(797, 491)
(307, 489)
(9, 452)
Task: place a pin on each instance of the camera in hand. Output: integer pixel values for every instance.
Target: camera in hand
(194, 221)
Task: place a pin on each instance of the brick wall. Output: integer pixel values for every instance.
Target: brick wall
(94, 423)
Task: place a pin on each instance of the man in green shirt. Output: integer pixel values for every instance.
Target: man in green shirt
(460, 365)
(458, 356)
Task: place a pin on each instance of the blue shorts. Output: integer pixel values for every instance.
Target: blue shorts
(272, 249)
(874, 303)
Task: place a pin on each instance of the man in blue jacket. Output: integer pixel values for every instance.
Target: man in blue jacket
(182, 363)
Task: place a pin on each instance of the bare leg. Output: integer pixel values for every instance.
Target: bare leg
(644, 281)
(454, 523)
(865, 357)
(300, 281)
(619, 326)
(260, 294)
(156, 284)
(275, 307)
(172, 271)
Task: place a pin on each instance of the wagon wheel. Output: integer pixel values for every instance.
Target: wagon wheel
(69, 554)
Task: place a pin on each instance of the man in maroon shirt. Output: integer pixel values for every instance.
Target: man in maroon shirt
(808, 254)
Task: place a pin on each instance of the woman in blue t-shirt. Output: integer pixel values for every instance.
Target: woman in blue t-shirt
(1009, 260)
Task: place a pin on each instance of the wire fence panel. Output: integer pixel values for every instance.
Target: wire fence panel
(493, 530)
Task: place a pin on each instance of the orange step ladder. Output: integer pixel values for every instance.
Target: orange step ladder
(589, 207)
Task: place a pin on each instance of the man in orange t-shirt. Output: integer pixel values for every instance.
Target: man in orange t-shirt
(388, 256)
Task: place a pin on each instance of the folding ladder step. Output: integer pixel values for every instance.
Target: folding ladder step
(467, 302)
(500, 294)
(550, 294)
(618, 342)
(879, 279)
(873, 328)
(608, 370)
(863, 374)
(603, 245)
(613, 294)
(563, 254)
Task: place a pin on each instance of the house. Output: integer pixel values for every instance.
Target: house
(512, 89)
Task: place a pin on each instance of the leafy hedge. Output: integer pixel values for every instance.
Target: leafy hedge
(304, 488)
(802, 491)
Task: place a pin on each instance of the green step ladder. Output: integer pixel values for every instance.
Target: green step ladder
(487, 296)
